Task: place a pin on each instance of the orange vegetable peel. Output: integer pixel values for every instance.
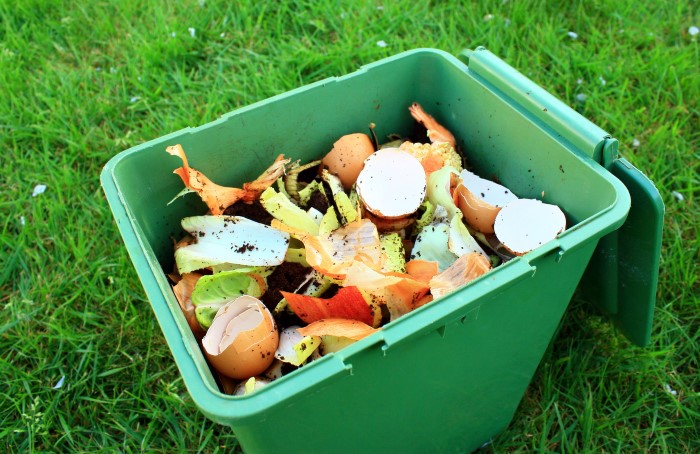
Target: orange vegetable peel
(338, 327)
(218, 197)
(465, 269)
(348, 303)
(436, 132)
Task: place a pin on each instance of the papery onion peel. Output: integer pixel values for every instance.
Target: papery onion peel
(465, 269)
(218, 197)
(333, 253)
(339, 327)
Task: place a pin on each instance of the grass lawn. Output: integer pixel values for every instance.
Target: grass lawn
(83, 362)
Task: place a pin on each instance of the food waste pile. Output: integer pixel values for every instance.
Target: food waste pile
(311, 257)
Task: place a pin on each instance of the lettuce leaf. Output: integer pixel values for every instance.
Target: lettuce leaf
(213, 291)
(329, 222)
(230, 239)
(439, 192)
(460, 241)
(431, 246)
(392, 246)
(284, 210)
(426, 218)
(347, 212)
(305, 194)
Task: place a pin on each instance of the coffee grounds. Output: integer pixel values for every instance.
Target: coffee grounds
(308, 175)
(287, 277)
(318, 201)
(253, 211)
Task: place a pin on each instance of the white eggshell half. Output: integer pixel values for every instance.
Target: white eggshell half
(525, 224)
(347, 157)
(392, 183)
(275, 370)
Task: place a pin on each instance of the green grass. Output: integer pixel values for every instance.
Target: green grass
(82, 80)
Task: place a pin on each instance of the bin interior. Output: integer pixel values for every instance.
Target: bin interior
(499, 140)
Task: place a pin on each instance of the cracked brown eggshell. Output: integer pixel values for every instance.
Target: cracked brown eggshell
(480, 200)
(347, 157)
(389, 225)
(477, 213)
(392, 184)
(242, 340)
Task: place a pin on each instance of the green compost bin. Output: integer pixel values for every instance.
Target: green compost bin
(449, 376)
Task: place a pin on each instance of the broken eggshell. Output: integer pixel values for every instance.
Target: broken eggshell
(242, 339)
(295, 348)
(480, 200)
(392, 184)
(275, 371)
(525, 224)
(347, 157)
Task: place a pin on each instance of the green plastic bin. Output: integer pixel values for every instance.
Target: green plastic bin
(450, 375)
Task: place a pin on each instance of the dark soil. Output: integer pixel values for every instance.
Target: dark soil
(318, 201)
(308, 175)
(286, 277)
(253, 211)
(331, 292)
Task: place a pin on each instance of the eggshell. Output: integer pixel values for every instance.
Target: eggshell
(289, 339)
(489, 191)
(479, 214)
(389, 225)
(242, 340)
(480, 200)
(392, 184)
(250, 386)
(525, 224)
(347, 157)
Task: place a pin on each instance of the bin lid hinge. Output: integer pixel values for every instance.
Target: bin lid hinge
(610, 153)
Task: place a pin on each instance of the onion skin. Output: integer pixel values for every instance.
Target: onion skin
(183, 294)
(339, 327)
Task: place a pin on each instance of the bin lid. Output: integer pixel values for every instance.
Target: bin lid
(622, 276)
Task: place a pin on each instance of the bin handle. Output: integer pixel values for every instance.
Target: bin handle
(567, 124)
